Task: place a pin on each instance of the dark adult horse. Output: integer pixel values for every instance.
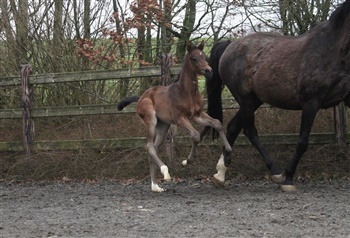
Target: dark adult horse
(308, 72)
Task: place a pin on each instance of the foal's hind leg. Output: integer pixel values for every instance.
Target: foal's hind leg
(155, 136)
(159, 138)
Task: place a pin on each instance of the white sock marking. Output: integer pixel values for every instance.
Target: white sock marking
(164, 170)
(221, 168)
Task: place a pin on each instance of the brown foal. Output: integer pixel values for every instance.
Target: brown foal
(178, 103)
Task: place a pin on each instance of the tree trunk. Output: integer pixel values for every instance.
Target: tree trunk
(12, 62)
(283, 4)
(57, 42)
(21, 18)
(124, 84)
(165, 34)
(76, 19)
(141, 44)
(87, 30)
(187, 28)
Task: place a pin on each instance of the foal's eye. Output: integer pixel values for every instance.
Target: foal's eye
(194, 59)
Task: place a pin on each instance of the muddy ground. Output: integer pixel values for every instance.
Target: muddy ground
(189, 208)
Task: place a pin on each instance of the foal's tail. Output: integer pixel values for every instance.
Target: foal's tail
(126, 101)
(214, 85)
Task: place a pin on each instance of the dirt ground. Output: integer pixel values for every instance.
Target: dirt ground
(189, 208)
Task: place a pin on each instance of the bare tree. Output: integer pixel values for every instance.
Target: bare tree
(298, 16)
(17, 38)
(290, 17)
(57, 37)
(165, 27)
(187, 27)
(10, 53)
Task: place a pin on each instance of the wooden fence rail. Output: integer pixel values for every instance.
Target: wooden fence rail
(17, 113)
(80, 110)
(152, 71)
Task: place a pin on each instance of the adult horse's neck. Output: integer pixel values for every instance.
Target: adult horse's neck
(188, 79)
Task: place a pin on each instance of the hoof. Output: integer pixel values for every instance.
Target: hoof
(157, 189)
(218, 183)
(288, 188)
(167, 178)
(160, 190)
(277, 178)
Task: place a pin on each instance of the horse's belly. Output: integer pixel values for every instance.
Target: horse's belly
(340, 92)
(284, 103)
(164, 114)
(282, 95)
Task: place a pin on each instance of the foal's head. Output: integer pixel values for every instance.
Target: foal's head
(196, 58)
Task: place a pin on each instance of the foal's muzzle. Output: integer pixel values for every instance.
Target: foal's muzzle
(208, 72)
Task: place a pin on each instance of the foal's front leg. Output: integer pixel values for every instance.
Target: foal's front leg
(195, 135)
(205, 120)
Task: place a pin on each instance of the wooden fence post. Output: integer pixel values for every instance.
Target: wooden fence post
(27, 103)
(340, 128)
(166, 61)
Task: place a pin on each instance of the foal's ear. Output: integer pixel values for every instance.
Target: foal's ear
(201, 46)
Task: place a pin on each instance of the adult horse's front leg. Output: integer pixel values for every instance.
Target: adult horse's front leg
(234, 127)
(248, 108)
(307, 118)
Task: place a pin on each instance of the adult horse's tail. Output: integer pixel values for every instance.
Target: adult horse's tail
(214, 85)
(126, 101)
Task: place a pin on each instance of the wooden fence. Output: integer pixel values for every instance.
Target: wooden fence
(27, 113)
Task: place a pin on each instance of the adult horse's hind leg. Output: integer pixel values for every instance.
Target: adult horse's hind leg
(248, 107)
(307, 118)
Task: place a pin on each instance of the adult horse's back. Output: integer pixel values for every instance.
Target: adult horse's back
(307, 72)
